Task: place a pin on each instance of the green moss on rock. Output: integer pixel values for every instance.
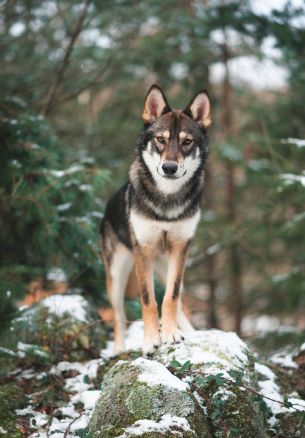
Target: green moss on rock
(125, 400)
(220, 410)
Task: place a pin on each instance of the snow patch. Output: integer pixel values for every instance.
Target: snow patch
(154, 373)
(133, 339)
(270, 390)
(290, 178)
(85, 187)
(213, 350)
(214, 249)
(263, 370)
(7, 351)
(56, 274)
(77, 384)
(300, 143)
(166, 423)
(23, 349)
(80, 392)
(259, 325)
(64, 207)
(88, 398)
(284, 359)
(74, 305)
(69, 171)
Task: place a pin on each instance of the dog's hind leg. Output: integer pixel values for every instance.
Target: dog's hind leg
(183, 322)
(117, 276)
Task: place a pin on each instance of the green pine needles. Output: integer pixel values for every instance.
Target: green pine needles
(49, 210)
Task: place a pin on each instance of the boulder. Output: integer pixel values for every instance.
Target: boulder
(64, 327)
(192, 389)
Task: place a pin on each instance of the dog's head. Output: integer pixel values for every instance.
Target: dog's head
(175, 141)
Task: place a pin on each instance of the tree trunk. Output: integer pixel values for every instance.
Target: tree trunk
(211, 258)
(230, 194)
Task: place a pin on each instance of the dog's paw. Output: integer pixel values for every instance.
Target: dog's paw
(150, 345)
(171, 336)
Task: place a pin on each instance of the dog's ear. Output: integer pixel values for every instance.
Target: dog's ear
(199, 109)
(155, 104)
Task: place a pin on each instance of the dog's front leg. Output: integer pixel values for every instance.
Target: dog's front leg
(177, 258)
(144, 270)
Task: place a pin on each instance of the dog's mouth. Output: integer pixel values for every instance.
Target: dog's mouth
(171, 177)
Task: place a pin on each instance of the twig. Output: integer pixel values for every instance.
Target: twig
(65, 60)
(70, 424)
(248, 388)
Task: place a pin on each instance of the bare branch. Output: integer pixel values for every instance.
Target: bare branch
(65, 60)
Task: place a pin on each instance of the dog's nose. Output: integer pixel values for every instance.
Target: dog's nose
(169, 168)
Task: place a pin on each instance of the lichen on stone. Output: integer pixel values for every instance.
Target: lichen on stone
(126, 399)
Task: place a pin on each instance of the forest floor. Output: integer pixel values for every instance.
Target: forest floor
(43, 399)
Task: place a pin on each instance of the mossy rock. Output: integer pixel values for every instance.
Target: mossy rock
(229, 407)
(133, 405)
(63, 333)
(131, 402)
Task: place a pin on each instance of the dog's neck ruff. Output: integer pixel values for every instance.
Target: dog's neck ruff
(162, 199)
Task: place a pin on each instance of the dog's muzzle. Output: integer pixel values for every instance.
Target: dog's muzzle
(170, 168)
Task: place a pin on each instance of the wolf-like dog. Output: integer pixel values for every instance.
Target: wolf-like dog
(149, 223)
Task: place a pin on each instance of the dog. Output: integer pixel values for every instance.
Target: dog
(149, 223)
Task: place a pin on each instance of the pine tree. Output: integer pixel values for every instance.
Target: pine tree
(49, 210)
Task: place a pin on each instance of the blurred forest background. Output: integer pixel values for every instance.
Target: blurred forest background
(73, 80)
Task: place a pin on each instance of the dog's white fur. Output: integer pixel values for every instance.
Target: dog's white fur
(148, 231)
(183, 174)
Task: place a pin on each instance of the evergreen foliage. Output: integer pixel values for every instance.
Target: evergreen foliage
(50, 209)
(53, 189)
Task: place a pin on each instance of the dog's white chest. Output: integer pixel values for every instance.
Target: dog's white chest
(149, 231)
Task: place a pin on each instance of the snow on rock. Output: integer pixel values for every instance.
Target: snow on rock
(213, 350)
(154, 373)
(154, 388)
(142, 396)
(224, 349)
(74, 305)
(164, 425)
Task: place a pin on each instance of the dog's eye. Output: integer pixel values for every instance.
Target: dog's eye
(160, 139)
(187, 141)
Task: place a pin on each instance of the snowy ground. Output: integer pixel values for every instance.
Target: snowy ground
(82, 386)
